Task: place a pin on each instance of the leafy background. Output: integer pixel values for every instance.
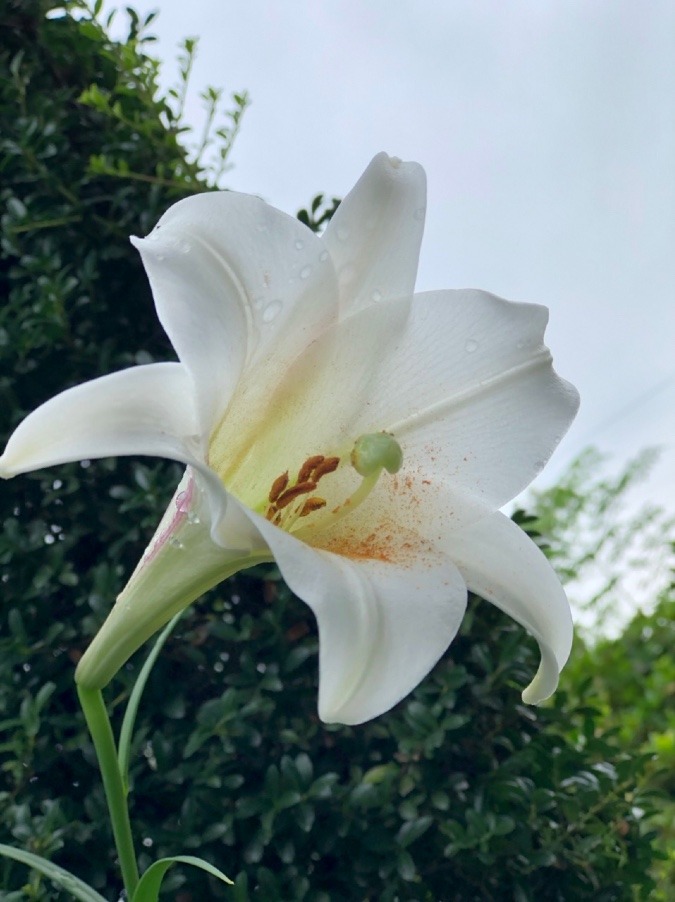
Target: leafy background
(461, 792)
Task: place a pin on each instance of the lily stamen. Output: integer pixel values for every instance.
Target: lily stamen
(370, 455)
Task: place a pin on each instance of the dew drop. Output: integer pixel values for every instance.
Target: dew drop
(323, 256)
(305, 272)
(343, 233)
(471, 345)
(272, 310)
(299, 244)
(193, 518)
(147, 842)
(49, 539)
(57, 484)
(420, 213)
(376, 296)
(176, 543)
(182, 502)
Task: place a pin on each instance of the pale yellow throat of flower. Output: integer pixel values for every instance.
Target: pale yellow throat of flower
(299, 505)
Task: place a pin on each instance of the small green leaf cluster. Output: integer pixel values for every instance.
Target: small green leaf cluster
(460, 793)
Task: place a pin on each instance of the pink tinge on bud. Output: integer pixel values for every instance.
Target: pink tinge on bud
(183, 503)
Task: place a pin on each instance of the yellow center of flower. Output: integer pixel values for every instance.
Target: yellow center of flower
(290, 501)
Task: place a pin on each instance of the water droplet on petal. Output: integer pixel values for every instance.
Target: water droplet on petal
(420, 213)
(305, 271)
(272, 310)
(471, 346)
(343, 233)
(299, 244)
(182, 502)
(193, 518)
(376, 296)
(176, 543)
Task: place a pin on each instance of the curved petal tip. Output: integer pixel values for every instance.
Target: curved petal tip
(545, 681)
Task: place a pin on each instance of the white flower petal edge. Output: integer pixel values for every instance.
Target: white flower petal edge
(261, 280)
(382, 624)
(145, 410)
(374, 237)
(503, 565)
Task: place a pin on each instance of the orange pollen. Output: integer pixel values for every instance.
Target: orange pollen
(311, 505)
(278, 486)
(309, 466)
(291, 494)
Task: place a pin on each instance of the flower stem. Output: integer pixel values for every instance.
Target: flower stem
(101, 733)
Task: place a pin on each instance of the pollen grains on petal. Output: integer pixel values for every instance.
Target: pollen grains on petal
(387, 542)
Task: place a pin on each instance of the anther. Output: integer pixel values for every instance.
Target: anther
(309, 466)
(278, 487)
(302, 488)
(311, 505)
(328, 465)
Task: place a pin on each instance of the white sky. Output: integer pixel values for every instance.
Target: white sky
(547, 129)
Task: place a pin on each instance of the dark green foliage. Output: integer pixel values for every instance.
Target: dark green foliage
(631, 680)
(461, 793)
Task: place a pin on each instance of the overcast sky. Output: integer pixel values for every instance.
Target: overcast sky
(547, 130)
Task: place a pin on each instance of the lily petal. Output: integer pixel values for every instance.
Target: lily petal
(236, 282)
(382, 625)
(374, 237)
(461, 379)
(145, 410)
(470, 391)
(503, 565)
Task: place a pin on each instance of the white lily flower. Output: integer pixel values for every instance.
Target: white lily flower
(361, 436)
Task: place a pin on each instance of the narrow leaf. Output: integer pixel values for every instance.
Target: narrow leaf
(129, 721)
(150, 883)
(78, 888)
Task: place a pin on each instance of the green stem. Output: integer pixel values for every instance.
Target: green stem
(98, 723)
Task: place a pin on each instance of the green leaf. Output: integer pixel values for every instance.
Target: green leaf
(150, 883)
(78, 888)
(127, 730)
